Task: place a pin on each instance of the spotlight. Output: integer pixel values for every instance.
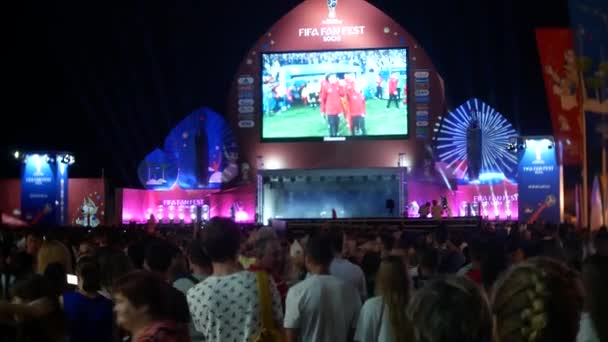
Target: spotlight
(16, 154)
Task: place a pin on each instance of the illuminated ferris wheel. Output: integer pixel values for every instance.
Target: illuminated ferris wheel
(473, 140)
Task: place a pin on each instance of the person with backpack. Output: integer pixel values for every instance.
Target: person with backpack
(233, 304)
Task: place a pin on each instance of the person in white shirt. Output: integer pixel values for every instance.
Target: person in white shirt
(226, 305)
(344, 269)
(383, 318)
(593, 326)
(321, 307)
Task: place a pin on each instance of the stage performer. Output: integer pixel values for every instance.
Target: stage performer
(356, 109)
(393, 92)
(331, 104)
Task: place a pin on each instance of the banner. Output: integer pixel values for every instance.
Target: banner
(560, 73)
(538, 180)
(589, 20)
(44, 189)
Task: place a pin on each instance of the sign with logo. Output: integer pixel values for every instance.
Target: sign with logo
(44, 189)
(332, 28)
(538, 180)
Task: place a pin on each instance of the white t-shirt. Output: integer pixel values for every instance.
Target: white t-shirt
(227, 308)
(369, 322)
(322, 308)
(350, 274)
(586, 330)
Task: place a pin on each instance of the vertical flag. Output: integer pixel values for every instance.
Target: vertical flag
(560, 73)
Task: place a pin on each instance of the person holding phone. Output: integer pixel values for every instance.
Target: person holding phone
(88, 313)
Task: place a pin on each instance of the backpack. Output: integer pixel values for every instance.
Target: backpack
(268, 333)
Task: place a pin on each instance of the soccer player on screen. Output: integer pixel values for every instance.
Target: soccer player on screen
(393, 91)
(331, 103)
(356, 109)
(349, 87)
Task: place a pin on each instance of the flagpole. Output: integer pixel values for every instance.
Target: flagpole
(585, 199)
(605, 183)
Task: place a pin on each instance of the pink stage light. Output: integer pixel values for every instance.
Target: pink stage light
(126, 217)
(241, 216)
(171, 216)
(181, 216)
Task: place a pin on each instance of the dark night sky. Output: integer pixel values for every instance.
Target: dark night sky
(108, 80)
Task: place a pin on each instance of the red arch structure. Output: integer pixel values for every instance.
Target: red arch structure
(314, 26)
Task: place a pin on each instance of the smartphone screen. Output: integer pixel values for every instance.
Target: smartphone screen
(72, 279)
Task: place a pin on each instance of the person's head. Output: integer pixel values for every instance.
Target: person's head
(199, 261)
(337, 241)
(89, 275)
(429, 261)
(268, 252)
(434, 203)
(53, 251)
(33, 242)
(140, 297)
(538, 300)
(56, 276)
(159, 256)
(393, 284)
(476, 252)
(451, 309)
(221, 240)
(318, 254)
(595, 280)
(386, 242)
(21, 264)
(113, 264)
(601, 242)
(516, 251)
(493, 263)
(86, 248)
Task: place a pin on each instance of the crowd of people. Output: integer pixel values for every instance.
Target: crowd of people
(502, 283)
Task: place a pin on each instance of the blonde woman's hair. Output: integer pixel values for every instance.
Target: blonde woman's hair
(393, 284)
(451, 309)
(54, 252)
(538, 300)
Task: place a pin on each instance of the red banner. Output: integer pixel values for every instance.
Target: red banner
(558, 60)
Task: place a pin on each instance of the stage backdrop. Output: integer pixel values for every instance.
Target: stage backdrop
(316, 26)
(538, 180)
(85, 200)
(135, 205)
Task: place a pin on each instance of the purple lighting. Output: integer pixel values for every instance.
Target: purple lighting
(241, 216)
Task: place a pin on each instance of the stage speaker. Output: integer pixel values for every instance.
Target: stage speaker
(474, 148)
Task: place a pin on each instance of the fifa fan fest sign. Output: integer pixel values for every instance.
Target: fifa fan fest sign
(538, 180)
(333, 29)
